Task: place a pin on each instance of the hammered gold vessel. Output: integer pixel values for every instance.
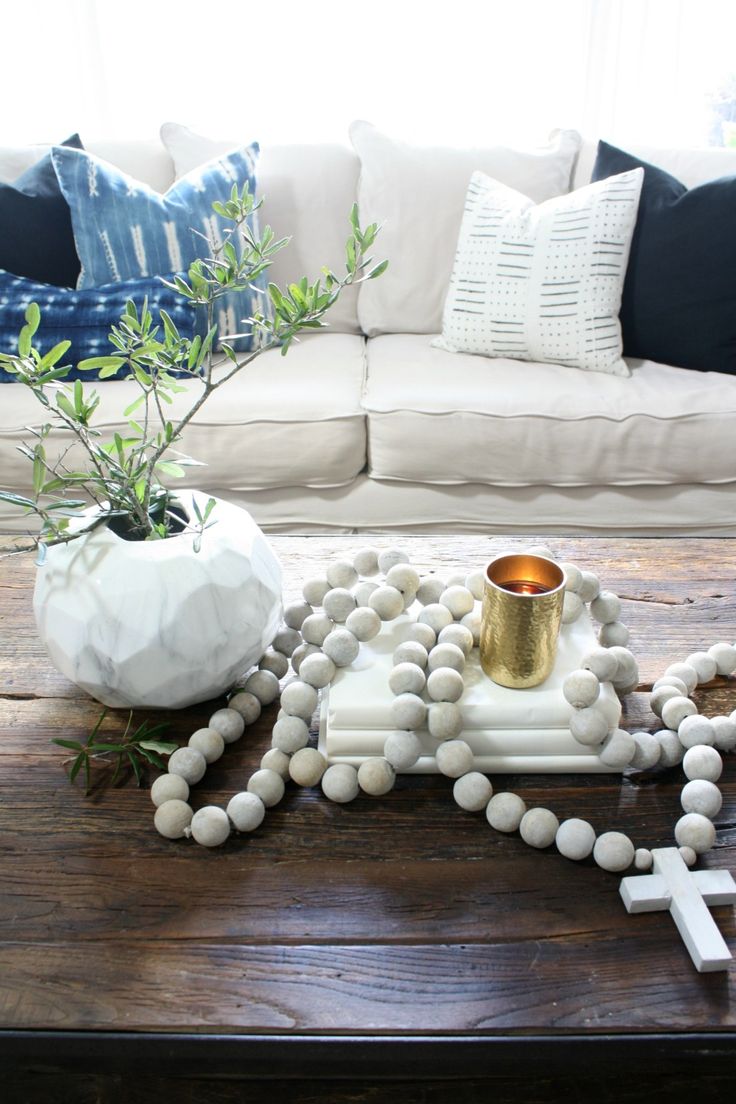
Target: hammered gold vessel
(522, 610)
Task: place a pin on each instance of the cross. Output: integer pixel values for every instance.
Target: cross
(687, 895)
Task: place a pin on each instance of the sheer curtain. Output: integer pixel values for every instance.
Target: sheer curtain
(470, 71)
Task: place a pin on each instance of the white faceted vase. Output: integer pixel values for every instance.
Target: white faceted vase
(154, 623)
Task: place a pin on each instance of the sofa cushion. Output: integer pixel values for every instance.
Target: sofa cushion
(36, 237)
(418, 194)
(283, 421)
(307, 192)
(142, 158)
(691, 166)
(679, 299)
(542, 281)
(438, 417)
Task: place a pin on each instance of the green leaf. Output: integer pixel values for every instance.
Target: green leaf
(91, 364)
(160, 746)
(168, 467)
(25, 341)
(377, 271)
(54, 355)
(73, 744)
(135, 765)
(65, 406)
(76, 765)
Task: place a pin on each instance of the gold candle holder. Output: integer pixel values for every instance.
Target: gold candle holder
(520, 623)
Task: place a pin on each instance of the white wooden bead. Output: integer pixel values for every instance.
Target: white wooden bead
(626, 667)
(339, 604)
(618, 749)
(342, 646)
(363, 592)
(454, 758)
(457, 578)
(286, 640)
(408, 711)
(445, 684)
(504, 811)
(725, 730)
(589, 586)
(387, 601)
(694, 730)
(364, 624)
(688, 856)
(606, 607)
(670, 680)
(675, 710)
(404, 578)
(670, 748)
(300, 653)
(264, 685)
(446, 655)
(614, 633)
(696, 831)
(275, 662)
(581, 688)
(600, 661)
(459, 601)
(704, 665)
(210, 826)
(660, 696)
(314, 591)
(589, 726)
(613, 851)
(246, 811)
(341, 574)
(572, 607)
(472, 791)
(276, 760)
(475, 582)
(316, 627)
(423, 635)
(290, 734)
(647, 751)
(458, 635)
(230, 722)
(407, 678)
(188, 763)
(685, 672)
(539, 550)
(611, 710)
(429, 590)
(365, 561)
(317, 670)
(402, 750)
(299, 700)
(169, 787)
(573, 577)
(411, 651)
(701, 796)
(725, 657)
(307, 766)
(389, 557)
(472, 621)
(643, 859)
(445, 721)
(247, 705)
(575, 839)
(296, 613)
(436, 616)
(340, 783)
(376, 776)
(172, 819)
(268, 785)
(538, 827)
(209, 742)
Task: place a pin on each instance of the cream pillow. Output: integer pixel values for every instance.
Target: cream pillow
(417, 194)
(543, 282)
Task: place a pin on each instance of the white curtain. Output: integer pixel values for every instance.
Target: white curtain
(468, 71)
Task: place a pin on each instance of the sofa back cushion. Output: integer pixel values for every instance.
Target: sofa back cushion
(690, 166)
(145, 159)
(418, 194)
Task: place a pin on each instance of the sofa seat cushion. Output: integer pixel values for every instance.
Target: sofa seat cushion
(283, 421)
(440, 417)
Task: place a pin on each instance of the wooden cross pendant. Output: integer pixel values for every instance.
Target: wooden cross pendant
(687, 895)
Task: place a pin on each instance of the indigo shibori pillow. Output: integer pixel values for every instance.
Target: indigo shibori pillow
(542, 282)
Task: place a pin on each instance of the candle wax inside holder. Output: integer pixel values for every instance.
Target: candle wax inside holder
(524, 586)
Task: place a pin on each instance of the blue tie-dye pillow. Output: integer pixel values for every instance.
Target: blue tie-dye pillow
(83, 317)
(124, 230)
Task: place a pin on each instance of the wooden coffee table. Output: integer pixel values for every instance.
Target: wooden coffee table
(393, 940)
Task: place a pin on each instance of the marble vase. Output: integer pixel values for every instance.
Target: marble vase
(156, 623)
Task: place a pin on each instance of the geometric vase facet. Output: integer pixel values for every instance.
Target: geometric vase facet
(154, 623)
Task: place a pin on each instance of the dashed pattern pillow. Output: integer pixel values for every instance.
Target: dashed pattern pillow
(125, 230)
(543, 282)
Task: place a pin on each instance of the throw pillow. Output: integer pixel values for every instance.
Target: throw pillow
(679, 299)
(36, 238)
(83, 317)
(417, 193)
(125, 230)
(542, 282)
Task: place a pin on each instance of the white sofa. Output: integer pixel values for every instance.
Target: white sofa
(350, 431)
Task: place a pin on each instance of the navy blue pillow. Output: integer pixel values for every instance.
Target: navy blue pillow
(679, 298)
(36, 236)
(83, 317)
